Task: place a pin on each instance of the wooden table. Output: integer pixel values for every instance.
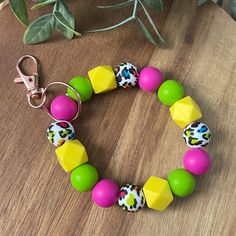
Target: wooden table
(128, 134)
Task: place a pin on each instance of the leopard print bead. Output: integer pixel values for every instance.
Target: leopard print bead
(131, 198)
(59, 132)
(126, 75)
(197, 135)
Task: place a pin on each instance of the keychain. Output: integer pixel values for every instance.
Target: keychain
(157, 192)
(36, 93)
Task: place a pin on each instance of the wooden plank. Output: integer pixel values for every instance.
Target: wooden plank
(128, 134)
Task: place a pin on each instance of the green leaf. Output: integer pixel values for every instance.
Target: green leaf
(116, 6)
(41, 3)
(67, 15)
(40, 30)
(201, 2)
(113, 26)
(155, 4)
(147, 33)
(59, 17)
(233, 9)
(220, 2)
(151, 22)
(20, 10)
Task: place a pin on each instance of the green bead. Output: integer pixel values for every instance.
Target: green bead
(181, 182)
(83, 86)
(170, 92)
(84, 177)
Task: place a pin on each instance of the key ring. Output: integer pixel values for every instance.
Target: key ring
(35, 92)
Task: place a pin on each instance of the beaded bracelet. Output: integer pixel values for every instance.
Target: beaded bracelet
(72, 155)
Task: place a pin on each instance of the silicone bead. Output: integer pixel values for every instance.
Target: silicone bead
(102, 79)
(71, 154)
(157, 193)
(185, 111)
(105, 193)
(170, 92)
(196, 161)
(84, 177)
(196, 135)
(83, 86)
(63, 108)
(150, 79)
(126, 75)
(60, 131)
(131, 198)
(182, 183)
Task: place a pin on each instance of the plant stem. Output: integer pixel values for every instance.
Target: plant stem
(112, 27)
(135, 10)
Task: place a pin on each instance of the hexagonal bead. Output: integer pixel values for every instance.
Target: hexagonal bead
(157, 193)
(185, 111)
(71, 154)
(102, 79)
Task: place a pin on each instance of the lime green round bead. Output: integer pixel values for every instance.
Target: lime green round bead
(83, 86)
(84, 177)
(170, 92)
(181, 182)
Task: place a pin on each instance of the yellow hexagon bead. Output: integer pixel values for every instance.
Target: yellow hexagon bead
(102, 79)
(157, 193)
(185, 111)
(71, 154)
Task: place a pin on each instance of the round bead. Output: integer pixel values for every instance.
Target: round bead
(196, 161)
(83, 86)
(84, 177)
(196, 135)
(150, 79)
(105, 193)
(60, 131)
(181, 182)
(126, 75)
(131, 198)
(63, 108)
(170, 92)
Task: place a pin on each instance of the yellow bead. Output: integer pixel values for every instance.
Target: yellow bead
(185, 111)
(102, 79)
(157, 193)
(71, 154)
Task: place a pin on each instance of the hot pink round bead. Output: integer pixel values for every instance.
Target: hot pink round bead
(150, 79)
(63, 108)
(196, 161)
(105, 193)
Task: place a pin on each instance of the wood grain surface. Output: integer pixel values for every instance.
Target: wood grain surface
(128, 134)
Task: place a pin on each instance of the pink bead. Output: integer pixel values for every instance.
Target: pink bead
(105, 193)
(63, 108)
(150, 79)
(196, 161)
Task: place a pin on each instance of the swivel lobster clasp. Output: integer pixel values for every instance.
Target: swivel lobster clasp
(37, 96)
(31, 81)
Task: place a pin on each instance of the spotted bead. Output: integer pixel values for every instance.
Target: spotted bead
(197, 135)
(131, 198)
(126, 75)
(60, 131)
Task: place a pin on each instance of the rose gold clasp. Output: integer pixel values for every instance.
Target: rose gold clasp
(35, 93)
(31, 81)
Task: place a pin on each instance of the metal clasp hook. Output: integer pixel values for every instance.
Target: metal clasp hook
(31, 81)
(34, 92)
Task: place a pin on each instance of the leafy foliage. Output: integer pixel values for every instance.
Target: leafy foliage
(155, 4)
(62, 19)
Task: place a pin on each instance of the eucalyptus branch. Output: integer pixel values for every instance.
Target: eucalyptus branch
(119, 5)
(151, 22)
(62, 20)
(157, 4)
(113, 26)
